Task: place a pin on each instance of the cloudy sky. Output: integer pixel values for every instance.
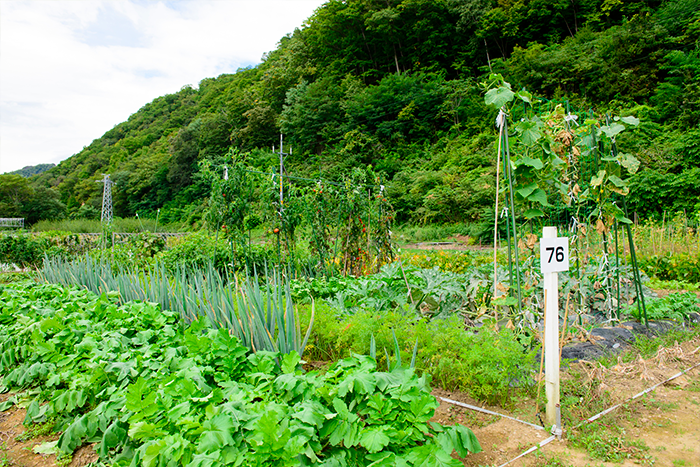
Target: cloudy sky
(71, 70)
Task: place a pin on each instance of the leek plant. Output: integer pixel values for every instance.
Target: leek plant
(262, 318)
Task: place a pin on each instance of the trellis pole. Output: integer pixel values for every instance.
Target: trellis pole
(500, 123)
(512, 221)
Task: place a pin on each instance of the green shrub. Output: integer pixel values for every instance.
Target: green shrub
(196, 251)
(318, 287)
(22, 249)
(199, 249)
(676, 266)
(487, 364)
(459, 262)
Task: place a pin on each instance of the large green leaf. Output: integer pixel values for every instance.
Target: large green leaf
(529, 131)
(526, 190)
(216, 434)
(374, 439)
(498, 97)
(539, 196)
(140, 399)
(630, 120)
(532, 213)
(535, 163)
(612, 129)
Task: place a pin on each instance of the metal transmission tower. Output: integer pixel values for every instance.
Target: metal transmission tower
(106, 199)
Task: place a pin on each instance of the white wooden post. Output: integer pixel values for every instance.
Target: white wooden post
(554, 257)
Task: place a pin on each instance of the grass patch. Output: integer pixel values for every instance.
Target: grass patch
(648, 346)
(37, 430)
(491, 366)
(608, 442)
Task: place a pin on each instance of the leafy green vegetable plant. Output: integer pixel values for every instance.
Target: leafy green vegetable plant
(150, 392)
(675, 306)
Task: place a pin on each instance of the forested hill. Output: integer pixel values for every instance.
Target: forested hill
(394, 84)
(30, 170)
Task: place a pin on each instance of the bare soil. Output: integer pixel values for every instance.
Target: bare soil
(666, 420)
(457, 243)
(21, 454)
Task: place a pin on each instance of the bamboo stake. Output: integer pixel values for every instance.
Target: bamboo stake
(566, 317)
(539, 375)
(499, 122)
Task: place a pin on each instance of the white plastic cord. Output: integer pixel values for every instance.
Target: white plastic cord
(500, 119)
(486, 411)
(533, 448)
(571, 118)
(597, 416)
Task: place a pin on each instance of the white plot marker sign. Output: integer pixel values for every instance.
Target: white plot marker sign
(554, 253)
(554, 257)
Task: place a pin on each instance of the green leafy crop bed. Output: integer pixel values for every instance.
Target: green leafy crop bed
(149, 392)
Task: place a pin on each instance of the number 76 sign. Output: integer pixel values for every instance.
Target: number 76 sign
(554, 254)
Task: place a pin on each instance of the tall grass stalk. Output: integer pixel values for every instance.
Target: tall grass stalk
(263, 318)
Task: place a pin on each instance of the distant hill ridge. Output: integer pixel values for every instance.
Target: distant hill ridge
(31, 170)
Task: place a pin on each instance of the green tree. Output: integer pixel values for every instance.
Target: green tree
(312, 115)
(15, 193)
(45, 204)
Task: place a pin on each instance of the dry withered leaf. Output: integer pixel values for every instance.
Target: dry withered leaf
(565, 137)
(600, 227)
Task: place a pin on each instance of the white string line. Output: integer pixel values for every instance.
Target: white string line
(533, 448)
(606, 411)
(479, 409)
(593, 418)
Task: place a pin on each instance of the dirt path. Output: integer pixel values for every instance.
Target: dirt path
(16, 451)
(661, 428)
(455, 243)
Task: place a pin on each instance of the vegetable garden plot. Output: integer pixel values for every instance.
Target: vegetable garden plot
(345, 226)
(149, 392)
(563, 169)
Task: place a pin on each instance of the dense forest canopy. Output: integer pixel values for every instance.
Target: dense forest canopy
(394, 85)
(29, 170)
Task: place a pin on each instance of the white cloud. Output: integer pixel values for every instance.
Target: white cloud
(71, 70)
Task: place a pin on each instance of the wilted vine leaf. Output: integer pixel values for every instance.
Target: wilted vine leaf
(629, 162)
(598, 179)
